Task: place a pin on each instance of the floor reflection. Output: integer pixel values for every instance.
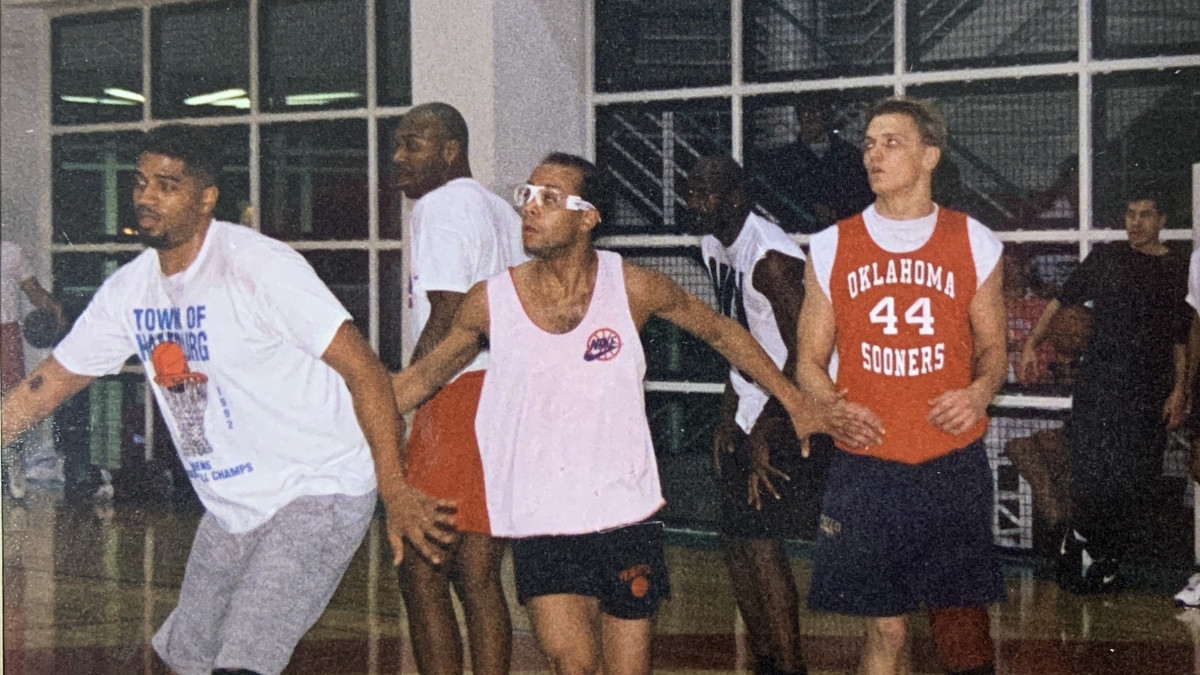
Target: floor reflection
(85, 586)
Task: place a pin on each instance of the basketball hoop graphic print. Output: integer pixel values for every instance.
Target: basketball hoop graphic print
(602, 345)
(186, 394)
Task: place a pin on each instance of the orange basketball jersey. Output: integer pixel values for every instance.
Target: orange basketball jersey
(903, 332)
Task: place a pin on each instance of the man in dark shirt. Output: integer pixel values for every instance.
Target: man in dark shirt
(1129, 389)
(820, 174)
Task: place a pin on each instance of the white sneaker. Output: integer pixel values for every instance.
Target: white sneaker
(1190, 595)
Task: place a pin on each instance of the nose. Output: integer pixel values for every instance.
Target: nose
(398, 155)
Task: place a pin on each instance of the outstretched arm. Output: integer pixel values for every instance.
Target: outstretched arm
(37, 396)
(817, 334)
(955, 411)
(655, 293)
(410, 514)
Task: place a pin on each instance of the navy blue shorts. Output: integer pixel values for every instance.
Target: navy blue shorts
(894, 536)
(625, 568)
(794, 514)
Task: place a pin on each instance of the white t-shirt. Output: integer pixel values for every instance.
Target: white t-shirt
(14, 269)
(904, 236)
(900, 236)
(732, 273)
(1193, 295)
(462, 233)
(274, 422)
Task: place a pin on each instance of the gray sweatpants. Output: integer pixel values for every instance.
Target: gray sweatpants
(248, 598)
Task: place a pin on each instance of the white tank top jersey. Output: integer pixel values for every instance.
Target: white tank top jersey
(562, 421)
(732, 271)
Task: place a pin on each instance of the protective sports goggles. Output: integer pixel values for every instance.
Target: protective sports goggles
(548, 198)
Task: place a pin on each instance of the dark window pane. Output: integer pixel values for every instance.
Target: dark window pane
(93, 183)
(1145, 134)
(97, 68)
(391, 200)
(642, 151)
(1033, 275)
(394, 60)
(682, 426)
(804, 158)
(314, 180)
(393, 298)
(313, 54)
(992, 33)
(661, 44)
(1130, 28)
(345, 273)
(787, 39)
(671, 352)
(1011, 153)
(201, 59)
(78, 275)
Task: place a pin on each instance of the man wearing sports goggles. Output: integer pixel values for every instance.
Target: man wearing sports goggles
(548, 197)
(568, 461)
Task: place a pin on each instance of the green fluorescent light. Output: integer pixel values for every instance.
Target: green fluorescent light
(204, 99)
(319, 98)
(125, 94)
(93, 99)
(240, 103)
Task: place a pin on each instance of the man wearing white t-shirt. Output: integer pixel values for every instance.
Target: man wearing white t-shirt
(462, 233)
(909, 294)
(280, 412)
(757, 273)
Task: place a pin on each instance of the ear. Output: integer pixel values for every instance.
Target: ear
(451, 149)
(933, 155)
(590, 219)
(208, 198)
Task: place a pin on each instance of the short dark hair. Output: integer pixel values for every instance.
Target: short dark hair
(722, 171)
(1151, 193)
(925, 114)
(448, 118)
(591, 184)
(198, 147)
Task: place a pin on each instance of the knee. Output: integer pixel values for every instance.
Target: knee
(888, 634)
(574, 662)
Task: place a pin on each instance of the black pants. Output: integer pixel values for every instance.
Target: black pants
(1117, 444)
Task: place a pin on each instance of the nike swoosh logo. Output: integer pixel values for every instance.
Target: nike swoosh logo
(592, 356)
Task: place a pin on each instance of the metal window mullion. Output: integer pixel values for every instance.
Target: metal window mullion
(255, 162)
(1085, 126)
(736, 141)
(373, 172)
(589, 77)
(147, 77)
(899, 45)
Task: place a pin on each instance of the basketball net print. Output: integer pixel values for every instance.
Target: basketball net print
(186, 394)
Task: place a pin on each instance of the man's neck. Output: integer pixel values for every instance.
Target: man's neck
(1155, 248)
(732, 229)
(567, 273)
(908, 205)
(177, 259)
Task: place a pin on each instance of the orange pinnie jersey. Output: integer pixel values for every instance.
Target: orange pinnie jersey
(904, 333)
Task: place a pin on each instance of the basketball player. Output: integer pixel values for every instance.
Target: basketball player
(570, 469)
(758, 275)
(278, 408)
(910, 295)
(462, 234)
